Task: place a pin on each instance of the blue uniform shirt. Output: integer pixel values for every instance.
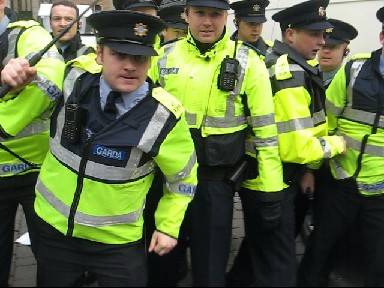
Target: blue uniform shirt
(4, 24)
(127, 100)
(382, 64)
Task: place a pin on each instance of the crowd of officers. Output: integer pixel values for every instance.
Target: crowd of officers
(124, 154)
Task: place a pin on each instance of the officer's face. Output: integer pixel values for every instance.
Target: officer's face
(305, 42)
(206, 24)
(331, 56)
(382, 39)
(61, 17)
(250, 32)
(124, 73)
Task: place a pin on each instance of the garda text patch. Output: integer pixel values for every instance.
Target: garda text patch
(13, 168)
(167, 71)
(109, 153)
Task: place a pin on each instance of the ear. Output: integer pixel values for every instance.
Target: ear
(382, 38)
(99, 53)
(289, 35)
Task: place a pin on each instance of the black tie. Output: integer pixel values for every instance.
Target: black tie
(110, 106)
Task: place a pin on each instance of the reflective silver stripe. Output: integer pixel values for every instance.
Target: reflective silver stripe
(181, 188)
(362, 116)
(326, 148)
(355, 70)
(51, 54)
(162, 62)
(191, 118)
(82, 218)
(373, 188)
(36, 127)
(230, 120)
(266, 142)
(12, 39)
(260, 121)
(340, 172)
(220, 122)
(319, 117)
(82, 50)
(295, 125)
(251, 144)
(97, 170)
(9, 169)
(292, 68)
(370, 149)
(48, 87)
(185, 171)
(70, 81)
(333, 109)
(153, 129)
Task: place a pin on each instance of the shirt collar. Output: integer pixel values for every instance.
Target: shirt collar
(382, 64)
(127, 98)
(4, 24)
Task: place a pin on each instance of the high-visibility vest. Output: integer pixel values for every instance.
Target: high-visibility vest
(354, 103)
(96, 189)
(24, 117)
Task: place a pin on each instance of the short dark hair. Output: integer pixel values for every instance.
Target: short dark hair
(66, 3)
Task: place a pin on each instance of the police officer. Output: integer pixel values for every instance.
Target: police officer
(249, 19)
(300, 118)
(333, 53)
(108, 134)
(225, 88)
(23, 126)
(172, 12)
(331, 57)
(354, 105)
(63, 12)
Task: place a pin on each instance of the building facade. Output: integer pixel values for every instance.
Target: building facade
(28, 9)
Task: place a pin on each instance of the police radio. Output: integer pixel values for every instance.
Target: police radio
(229, 72)
(72, 123)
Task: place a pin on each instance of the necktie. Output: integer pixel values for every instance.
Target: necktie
(110, 106)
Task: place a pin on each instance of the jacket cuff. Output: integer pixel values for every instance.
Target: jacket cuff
(166, 234)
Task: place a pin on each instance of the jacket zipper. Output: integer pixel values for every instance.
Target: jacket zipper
(79, 188)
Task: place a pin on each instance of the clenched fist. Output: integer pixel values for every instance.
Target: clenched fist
(17, 74)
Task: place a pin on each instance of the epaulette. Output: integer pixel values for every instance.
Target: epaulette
(282, 70)
(313, 62)
(23, 24)
(86, 62)
(169, 101)
(361, 56)
(269, 43)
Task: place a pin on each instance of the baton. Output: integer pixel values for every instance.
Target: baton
(37, 57)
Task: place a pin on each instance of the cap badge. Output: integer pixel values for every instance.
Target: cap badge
(141, 30)
(329, 30)
(256, 8)
(322, 12)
